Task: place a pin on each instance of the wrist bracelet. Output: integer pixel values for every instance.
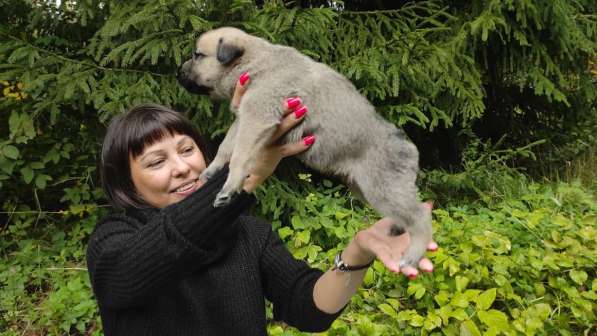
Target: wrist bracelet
(343, 267)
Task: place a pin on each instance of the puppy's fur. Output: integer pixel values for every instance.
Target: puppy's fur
(376, 159)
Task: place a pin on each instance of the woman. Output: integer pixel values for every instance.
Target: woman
(169, 263)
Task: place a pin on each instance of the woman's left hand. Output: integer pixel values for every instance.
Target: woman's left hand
(375, 242)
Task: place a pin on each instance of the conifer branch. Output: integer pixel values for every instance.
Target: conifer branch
(91, 65)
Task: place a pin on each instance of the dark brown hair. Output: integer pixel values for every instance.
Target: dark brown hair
(127, 136)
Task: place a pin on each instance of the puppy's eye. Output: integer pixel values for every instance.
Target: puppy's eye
(197, 54)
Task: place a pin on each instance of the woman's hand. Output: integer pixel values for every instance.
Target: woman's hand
(375, 242)
(334, 288)
(267, 159)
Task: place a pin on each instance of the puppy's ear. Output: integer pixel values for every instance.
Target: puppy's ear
(228, 53)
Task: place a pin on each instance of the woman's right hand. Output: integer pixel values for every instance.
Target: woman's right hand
(269, 157)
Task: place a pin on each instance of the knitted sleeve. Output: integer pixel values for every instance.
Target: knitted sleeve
(128, 261)
(289, 283)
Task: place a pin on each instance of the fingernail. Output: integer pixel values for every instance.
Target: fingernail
(244, 77)
(308, 141)
(411, 273)
(300, 112)
(432, 246)
(428, 270)
(293, 102)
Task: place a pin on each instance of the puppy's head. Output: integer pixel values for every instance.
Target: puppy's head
(216, 53)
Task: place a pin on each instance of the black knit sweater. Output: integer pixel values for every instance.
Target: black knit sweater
(192, 269)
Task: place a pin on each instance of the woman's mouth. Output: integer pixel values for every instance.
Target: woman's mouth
(188, 188)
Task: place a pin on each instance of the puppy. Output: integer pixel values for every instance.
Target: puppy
(375, 159)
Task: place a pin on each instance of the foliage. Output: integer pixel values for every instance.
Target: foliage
(487, 175)
(479, 69)
(525, 265)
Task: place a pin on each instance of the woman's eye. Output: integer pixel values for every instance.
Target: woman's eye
(188, 149)
(155, 163)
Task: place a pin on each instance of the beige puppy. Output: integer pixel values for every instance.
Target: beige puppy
(374, 158)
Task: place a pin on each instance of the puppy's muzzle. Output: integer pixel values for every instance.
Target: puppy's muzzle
(190, 84)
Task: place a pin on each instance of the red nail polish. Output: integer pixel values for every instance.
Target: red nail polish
(308, 141)
(300, 112)
(412, 276)
(244, 77)
(293, 102)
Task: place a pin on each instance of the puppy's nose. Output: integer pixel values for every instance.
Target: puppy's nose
(182, 78)
(180, 73)
(190, 85)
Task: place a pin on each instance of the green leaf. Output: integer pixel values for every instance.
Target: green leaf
(485, 300)
(312, 251)
(461, 283)
(578, 276)
(7, 166)
(459, 300)
(369, 277)
(41, 179)
(442, 297)
(432, 321)
(406, 315)
(459, 314)
(417, 289)
(469, 328)
(27, 173)
(417, 321)
(285, 232)
(420, 292)
(388, 310)
(37, 165)
(494, 318)
(302, 238)
(297, 223)
(11, 152)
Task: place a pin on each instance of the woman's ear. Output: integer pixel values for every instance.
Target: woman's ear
(228, 52)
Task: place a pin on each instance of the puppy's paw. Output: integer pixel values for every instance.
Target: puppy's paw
(223, 198)
(206, 175)
(413, 254)
(209, 172)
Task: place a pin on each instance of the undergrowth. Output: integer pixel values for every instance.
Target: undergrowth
(516, 257)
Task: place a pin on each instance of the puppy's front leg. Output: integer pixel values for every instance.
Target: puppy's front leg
(253, 134)
(224, 153)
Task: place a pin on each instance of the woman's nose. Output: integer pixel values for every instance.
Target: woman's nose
(180, 167)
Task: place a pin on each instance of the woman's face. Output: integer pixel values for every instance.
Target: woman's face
(168, 170)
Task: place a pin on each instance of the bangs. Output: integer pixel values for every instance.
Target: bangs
(154, 126)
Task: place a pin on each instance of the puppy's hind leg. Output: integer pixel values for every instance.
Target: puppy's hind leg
(252, 135)
(420, 236)
(393, 193)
